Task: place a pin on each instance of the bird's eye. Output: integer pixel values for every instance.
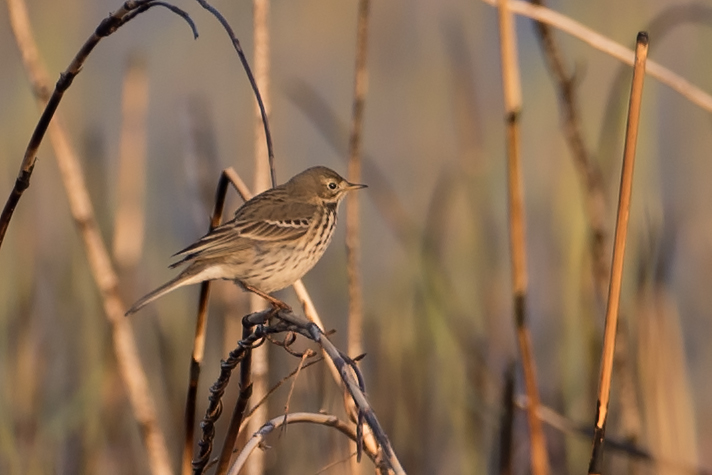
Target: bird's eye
(332, 186)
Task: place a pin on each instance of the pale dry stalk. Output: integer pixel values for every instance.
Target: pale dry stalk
(129, 221)
(517, 237)
(262, 181)
(124, 344)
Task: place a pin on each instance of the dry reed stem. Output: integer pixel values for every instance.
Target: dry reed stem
(309, 354)
(124, 344)
(507, 424)
(512, 104)
(679, 84)
(129, 221)
(196, 362)
(621, 445)
(353, 225)
(353, 243)
(626, 186)
(201, 324)
(597, 213)
(262, 181)
(298, 417)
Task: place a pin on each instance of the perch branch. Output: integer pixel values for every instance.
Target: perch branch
(288, 321)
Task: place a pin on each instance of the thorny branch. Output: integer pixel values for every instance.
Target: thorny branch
(286, 321)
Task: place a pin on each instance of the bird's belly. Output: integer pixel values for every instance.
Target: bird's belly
(282, 269)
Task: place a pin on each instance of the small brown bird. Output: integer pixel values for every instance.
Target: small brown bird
(273, 240)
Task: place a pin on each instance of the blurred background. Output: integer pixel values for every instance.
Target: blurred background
(439, 333)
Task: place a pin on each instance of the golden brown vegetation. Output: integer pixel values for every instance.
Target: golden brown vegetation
(140, 145)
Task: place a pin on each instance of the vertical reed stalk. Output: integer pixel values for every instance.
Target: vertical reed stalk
(353, 225)
(517, 237)
(129, 364)
(129, 222)
(262, 181)
(614, 290)
(353, 243)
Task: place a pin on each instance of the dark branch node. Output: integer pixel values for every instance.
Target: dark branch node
(512, 117)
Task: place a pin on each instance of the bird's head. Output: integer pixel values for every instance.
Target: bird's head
(322, 183)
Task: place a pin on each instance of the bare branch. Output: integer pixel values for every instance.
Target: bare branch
(40, 82)
(251, 78)
(349, 373)
(295, 418)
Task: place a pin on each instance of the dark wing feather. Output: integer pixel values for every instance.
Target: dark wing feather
(281, 220)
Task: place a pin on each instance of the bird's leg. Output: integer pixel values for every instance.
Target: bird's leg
(276, 303)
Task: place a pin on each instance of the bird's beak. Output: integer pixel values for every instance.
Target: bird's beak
(354, 186)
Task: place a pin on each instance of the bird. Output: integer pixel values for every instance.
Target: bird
(271, 242)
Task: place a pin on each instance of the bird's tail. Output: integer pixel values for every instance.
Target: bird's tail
(184, 278)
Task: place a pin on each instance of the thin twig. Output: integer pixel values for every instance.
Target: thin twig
(124, 344)
(609, 339)
(156, 3)
(297, 417)
(333, 464)
(280, 383)
(517, 238)
(292, 386)
(253, 83)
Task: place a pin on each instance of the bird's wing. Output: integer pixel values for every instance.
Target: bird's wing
(285, 221)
